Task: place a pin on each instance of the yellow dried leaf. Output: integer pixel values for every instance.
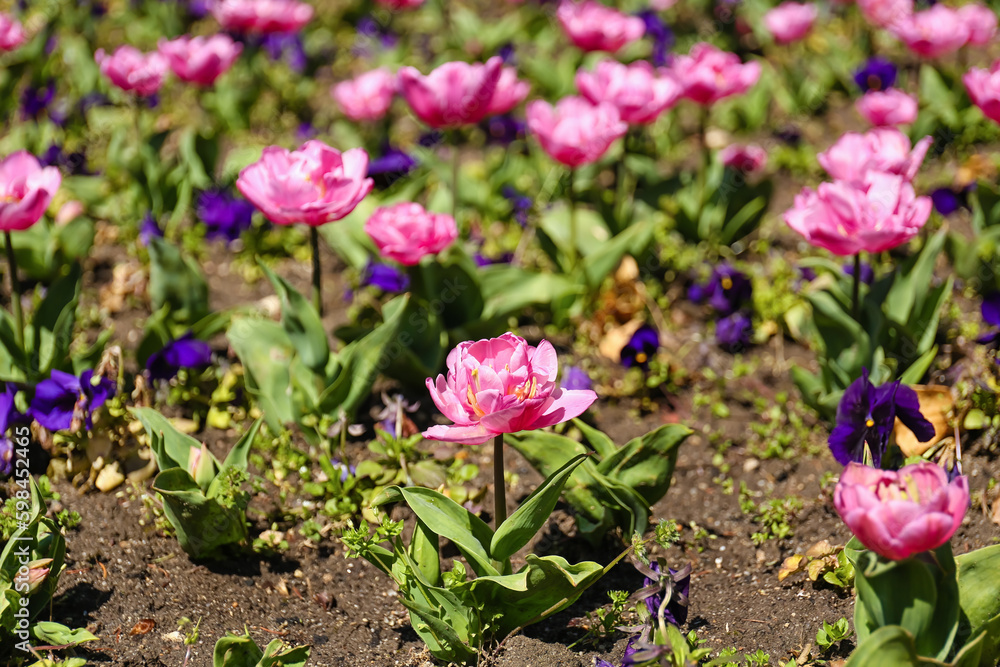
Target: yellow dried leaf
(791, 565)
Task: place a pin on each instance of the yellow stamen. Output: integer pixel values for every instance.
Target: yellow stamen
(641, 357)
(474, 402)
(870, 422)
(727, 283)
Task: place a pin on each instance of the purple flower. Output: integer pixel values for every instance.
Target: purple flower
(991, 315)
(665, 592)
(947, 201)
(482, 260)
(198, 9)
(287, 47)
(184, 352)
(392, 165)
(7, 415)
(520, 204)
(641, 347)
(574, 377)
(866, 415)
(345, 470)
(34, 101)
(734, 332)
(867, 272)
(430, 138)
(506, 53)
(63, 399)
(504, 129)
(661, 34)
(876, 74)
(727, 290)
(387, 278)
(225, 215)
(148, 229)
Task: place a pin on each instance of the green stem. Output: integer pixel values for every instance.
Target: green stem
(317, 282)
(455, 159)
(856, 301)
(499, 485)
(15, 292)
(705, 157)
(572, 221)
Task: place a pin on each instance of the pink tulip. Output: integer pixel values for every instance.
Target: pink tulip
(709, 74)
(400, 4)
(595, 27)
(981, 22)
(845, 218)
(888, 107)
(885, 13)
(882, 149)
(510, 92)
(575, 132)
(11, 33)
(984, 89)
(639, 94)
(315, 184)
(200, 60)
(406, 233)
(790, 21)
(454, 94)
(261, 16)
(26, 190)
(502, 385)
(900, 513)
(132, 70)
(366, 97)
(934, 32)
(748, 159)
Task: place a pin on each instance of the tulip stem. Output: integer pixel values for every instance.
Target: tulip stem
(856, 301)
(317, 275)
(454, 176)
(499, 490)
(572, 220)
(15, 292)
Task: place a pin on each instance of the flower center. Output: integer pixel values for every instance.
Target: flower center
(641, 357)
(727, 283)
(874, 82)
(869, 422)
(526, 390)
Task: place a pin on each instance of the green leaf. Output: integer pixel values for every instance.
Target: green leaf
(912, 279)
(424, 552)
(301, 323)
(598, 439)
(444, 517)
(176, 281)
(171, 447)
(891, 646)
(518, 529)
(600, 262)
(266, 354)
(236, 458)
(236, 651)
(57, 634)
(203, 524)
(646, 464)
(274, 656)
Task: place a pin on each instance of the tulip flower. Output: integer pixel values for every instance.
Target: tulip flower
(64, 401)
(883, 149)
(636, 90)
(984, 89)
(934, 32)
(575, 132)
(366, 97)
(748, 159)
(510, 91)
(874, 215)
(26, 190)
(132, 70)
(501, 385)
(38, 570)
(790, 21)
(981, 22)
(406, 233)
(708, 74)
(866, 416)
(200, 60)
(314, 185)
(898, 514)
(452, 95)
(592, 26)
(885, 13)
(887, 107)
(11, 33)
(261, 17)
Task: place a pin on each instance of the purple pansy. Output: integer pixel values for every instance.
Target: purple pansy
(483, 260)
(876, 74)
(64, 398)
(867, 272)
(8, 415)
(149, 229)
(520, 204)
(36, 100)
(504, 129)
(390, 166)
(184, 352)
(387, 278)
(661, 35)
(726, 291)
(574, 377)
(733, 332)
(641, 347)
(225, 215)
(867, 414)
(288, 47)
(990, 310)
